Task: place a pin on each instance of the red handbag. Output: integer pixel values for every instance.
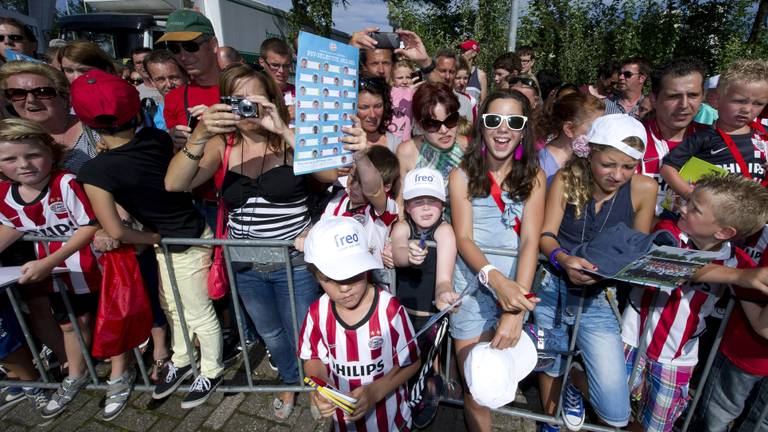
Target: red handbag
(124, 316)
(218, 281)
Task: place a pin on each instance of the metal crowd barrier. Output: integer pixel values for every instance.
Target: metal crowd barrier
(45, 380)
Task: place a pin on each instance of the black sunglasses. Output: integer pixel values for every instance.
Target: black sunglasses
(12, 37)
(20, 94)
(524, 81)
(431, 125)
(628, 74)
(188, 46)
(136, 81)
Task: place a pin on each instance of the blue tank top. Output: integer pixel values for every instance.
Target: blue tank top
(617, 209)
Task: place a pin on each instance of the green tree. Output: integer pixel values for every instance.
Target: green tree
(313, 15)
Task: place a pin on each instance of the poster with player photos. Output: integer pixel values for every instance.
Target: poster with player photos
(326, 98)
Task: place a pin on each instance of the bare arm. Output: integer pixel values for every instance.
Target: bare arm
(40, 269)
(400, 233)
(8, 235)
(446, 260)
(316, 368)
(106, 212)
(368, 395)
(672, 176)
(757, 316)
(406, 152)
(644, 193)
(533, 216)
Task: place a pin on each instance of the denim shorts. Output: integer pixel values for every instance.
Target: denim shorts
(598, 339)
(477, 313)
(11, 336)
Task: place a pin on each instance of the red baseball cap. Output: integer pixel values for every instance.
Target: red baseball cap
(102, 100)
(470, 45)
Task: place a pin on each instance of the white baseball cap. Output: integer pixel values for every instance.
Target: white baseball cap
(492, 374)
(610, 130)
(424, 182)
(711, 82)
(338, 247)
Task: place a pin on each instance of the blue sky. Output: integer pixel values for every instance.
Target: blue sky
(358, 15)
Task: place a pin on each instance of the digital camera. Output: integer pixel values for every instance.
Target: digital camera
(241, 106)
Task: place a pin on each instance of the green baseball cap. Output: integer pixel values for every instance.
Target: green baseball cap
(186, 25)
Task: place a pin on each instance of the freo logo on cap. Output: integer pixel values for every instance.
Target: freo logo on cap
(424, 179)
(345, 241)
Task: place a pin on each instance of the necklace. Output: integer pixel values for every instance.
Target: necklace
(608, 215)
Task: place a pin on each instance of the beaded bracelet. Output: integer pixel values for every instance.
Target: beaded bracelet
(189, 154)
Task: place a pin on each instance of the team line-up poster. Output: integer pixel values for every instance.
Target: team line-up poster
(326, 95)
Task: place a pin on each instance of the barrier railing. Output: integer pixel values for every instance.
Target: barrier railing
(285, 246)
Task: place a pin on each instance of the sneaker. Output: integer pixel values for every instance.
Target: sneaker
(10, 396)
(69, 388)
(272, 364)
(200, 390)
(426, 410)
(37, 397)
(573, 408)
(546, 427)
(118, 393)
(170, 379)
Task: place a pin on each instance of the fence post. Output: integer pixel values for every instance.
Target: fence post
(238, 314)
(571, 348)
(294, 316)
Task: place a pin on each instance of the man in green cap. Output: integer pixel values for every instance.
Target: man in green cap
(190, 37)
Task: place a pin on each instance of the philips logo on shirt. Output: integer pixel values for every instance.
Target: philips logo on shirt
(357, 370)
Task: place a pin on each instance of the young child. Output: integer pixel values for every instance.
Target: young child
(721, 210)
(497, 196)
(736, 142)
(461, 80)
(38, 198)
(137, 160)
(356, 337)
(594, 191)
(401, 74)
(368, 197)
(736, 387)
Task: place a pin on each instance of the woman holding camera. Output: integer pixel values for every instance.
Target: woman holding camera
(265, 200)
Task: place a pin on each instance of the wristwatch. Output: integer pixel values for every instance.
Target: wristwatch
(482, 276)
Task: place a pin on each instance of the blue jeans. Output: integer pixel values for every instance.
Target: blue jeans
(731, 394)
(599, 340)
(267, 302)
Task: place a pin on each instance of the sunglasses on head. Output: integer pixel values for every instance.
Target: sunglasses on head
(12, 37)
(20, 94)
(188, 46)
(431, 125)
(524, 81)
(136, 81)
(514, 122)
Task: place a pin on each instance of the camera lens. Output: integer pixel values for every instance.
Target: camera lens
(246, 108)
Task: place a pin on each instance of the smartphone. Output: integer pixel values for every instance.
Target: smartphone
(192, 122)
(386, 40)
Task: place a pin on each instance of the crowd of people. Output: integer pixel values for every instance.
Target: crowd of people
(448, 168)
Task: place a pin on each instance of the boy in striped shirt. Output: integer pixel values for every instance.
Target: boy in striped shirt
(356, 337)
(721, 210)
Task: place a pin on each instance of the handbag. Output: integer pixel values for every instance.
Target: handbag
(124, 316)
(218, 281)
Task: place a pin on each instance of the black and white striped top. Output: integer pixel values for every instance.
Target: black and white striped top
(272, 206)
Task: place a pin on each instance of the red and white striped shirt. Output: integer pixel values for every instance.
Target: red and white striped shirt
(676, 316)
(59, 211)
(377, 226)
(359, 354)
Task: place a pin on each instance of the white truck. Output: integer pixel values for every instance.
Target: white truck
(122, 25)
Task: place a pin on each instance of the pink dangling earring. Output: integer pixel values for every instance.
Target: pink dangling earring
(484, 150)
(519, 152)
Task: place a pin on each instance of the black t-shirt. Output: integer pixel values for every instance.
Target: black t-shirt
(708, 145)
(135, 175)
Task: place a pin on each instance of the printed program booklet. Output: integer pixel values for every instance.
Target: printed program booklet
(663, 267)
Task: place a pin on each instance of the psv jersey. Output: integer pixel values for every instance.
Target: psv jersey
(59, 211)
(357, 355)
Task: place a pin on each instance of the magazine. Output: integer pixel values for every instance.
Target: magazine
(692, 171)
(663, 267)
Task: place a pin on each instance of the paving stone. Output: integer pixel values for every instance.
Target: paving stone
(74, 417)
(168, 407)
(223, 411)
(135, 420)
(239, 422)
(164, 424)
(98, 426)
(195, 417)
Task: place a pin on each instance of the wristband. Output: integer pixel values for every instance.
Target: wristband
(483, 275)
(427, 70)
(553, 257)
(189, 154)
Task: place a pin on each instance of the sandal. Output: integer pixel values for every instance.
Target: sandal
(281, 410)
